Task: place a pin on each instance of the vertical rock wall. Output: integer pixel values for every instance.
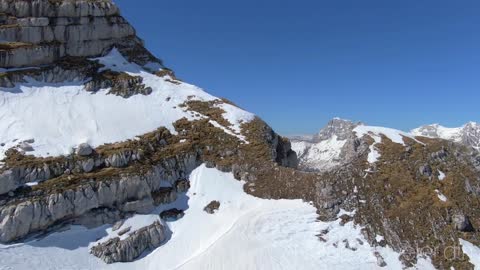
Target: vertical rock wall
(40, 32)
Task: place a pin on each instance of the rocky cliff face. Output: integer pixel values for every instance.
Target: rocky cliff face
(43, 32)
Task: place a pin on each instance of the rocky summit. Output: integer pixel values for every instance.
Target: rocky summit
(109, 161)
(50, 40)
(329, 148)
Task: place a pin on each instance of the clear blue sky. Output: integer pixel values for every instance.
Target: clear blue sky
(299, 63)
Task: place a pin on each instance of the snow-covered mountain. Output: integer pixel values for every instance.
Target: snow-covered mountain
(323, 150)
(329, 147)
(108, 161)
(468, 134)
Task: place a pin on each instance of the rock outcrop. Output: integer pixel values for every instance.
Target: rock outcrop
(19, 175)
(462, 223)
(84, 149)
(212, 207)
(36, 35)
(40, 32)
(172, 214)
(338, 127)
(127, 193)
(128, 177)
(130, 248)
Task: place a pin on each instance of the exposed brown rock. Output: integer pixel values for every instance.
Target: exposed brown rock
(212, 207)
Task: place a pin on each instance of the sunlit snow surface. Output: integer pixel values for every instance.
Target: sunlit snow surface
(441, 175)
(321, 155)
(472, 251)
(245, 233)
(457, 134)
(59, 117)
(440, 196)
(376, 133)
(442, 132)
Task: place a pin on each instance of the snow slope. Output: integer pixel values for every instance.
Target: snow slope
(319, 155)
(376, 133)
(60, 117)
(323, 150)
(245, 233)
(438, 131)
(472, 251)
(324, 153)
(468, 134)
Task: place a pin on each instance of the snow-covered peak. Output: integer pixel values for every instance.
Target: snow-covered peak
(437, 131)
(338, 127)
(468, 134)
(323, 150)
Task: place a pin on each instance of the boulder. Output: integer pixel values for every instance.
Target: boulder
(124, 231)
(426, 170)
(212, 207)
(88, 165)
(84, 149)
(462, 223)
(127, 250)
(172, 214)
(8, 181)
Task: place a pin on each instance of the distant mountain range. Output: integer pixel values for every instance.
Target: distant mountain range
(322, 151)
(468, 134)
(328, 148)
